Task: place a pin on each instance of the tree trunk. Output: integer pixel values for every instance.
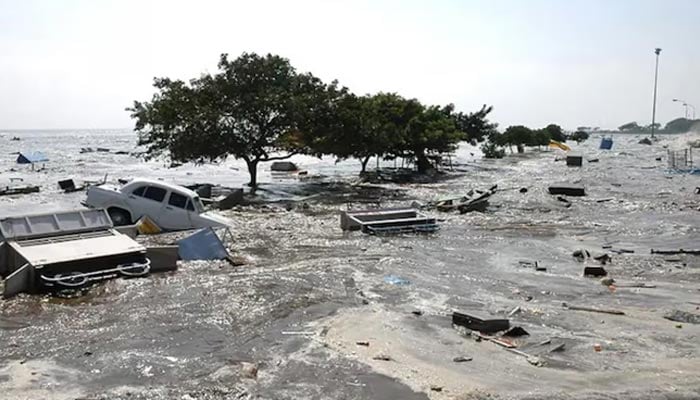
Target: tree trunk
(364, 162)
(253, 171)
(422, 162)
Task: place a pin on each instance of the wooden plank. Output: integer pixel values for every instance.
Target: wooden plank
(591, 309)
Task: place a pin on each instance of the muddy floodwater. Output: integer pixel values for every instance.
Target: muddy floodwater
(318, 313)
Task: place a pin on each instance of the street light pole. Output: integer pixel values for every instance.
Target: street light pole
(657, 51)
(686, 105)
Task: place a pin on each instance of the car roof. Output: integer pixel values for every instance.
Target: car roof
(154, 182)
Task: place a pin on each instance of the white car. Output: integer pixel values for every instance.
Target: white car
(171, 207)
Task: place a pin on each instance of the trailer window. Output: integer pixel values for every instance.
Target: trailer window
(177, 200)
(139, 191)
(155, 193)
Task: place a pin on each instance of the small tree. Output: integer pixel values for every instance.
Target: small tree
(579, 136)
(630, 126)
(540, 137)
(518, 135)
(491, 150)
(475, 126)
(555, 133)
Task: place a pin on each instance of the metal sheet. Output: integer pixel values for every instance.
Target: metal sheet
(4, 259)
(163, 258)
(31, 157)
(42, 225)
(78, 249)
(202, 245)
(22, 280)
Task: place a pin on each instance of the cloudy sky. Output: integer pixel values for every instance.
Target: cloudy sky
(78, 64)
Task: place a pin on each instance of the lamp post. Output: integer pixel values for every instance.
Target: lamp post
(685, 105)
(657, 51)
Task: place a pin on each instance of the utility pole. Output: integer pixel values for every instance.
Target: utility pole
(657, 51)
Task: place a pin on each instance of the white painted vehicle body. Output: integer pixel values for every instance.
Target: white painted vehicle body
(171, 207)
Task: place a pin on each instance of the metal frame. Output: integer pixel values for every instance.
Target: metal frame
(77, 280)
(60, 230)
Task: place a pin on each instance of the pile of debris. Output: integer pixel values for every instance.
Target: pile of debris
(474, 200)
(71, 251)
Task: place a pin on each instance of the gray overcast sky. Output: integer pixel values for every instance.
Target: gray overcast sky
(78, 64)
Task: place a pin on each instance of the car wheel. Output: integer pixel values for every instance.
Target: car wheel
(119, 217)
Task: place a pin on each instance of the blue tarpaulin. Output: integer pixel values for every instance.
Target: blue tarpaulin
(31, 158)
(202, 245)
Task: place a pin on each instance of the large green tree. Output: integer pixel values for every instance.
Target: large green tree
(359, 127)
(251, 109)
(430, 134)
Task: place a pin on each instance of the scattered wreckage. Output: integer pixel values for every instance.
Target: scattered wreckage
(14, 190)
(474, 200)
(72, 250)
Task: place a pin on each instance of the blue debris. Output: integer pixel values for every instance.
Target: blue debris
(202, 245)
(31, 158)
(606, 143)
(396, 280)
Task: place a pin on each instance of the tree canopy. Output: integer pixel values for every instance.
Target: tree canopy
(475, 126)
(681, 125)
(251, 109)
(630, 126)
(259, 108)
(579, 136)
(520, 136)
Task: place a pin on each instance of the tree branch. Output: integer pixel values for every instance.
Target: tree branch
(276, 158)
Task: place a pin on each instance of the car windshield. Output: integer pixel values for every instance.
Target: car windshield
(198, 206)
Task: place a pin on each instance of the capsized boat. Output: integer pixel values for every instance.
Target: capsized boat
(474, 200)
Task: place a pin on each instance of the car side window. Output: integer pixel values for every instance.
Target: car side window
(139, 191)
(190, 207)
(177, 200)
(155, 193)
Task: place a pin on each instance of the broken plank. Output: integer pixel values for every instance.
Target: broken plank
(591, 309)
(679, 251)
(636, 285)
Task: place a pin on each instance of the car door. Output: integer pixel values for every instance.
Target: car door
(136, 202)
(175, 213)
(150, 203)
